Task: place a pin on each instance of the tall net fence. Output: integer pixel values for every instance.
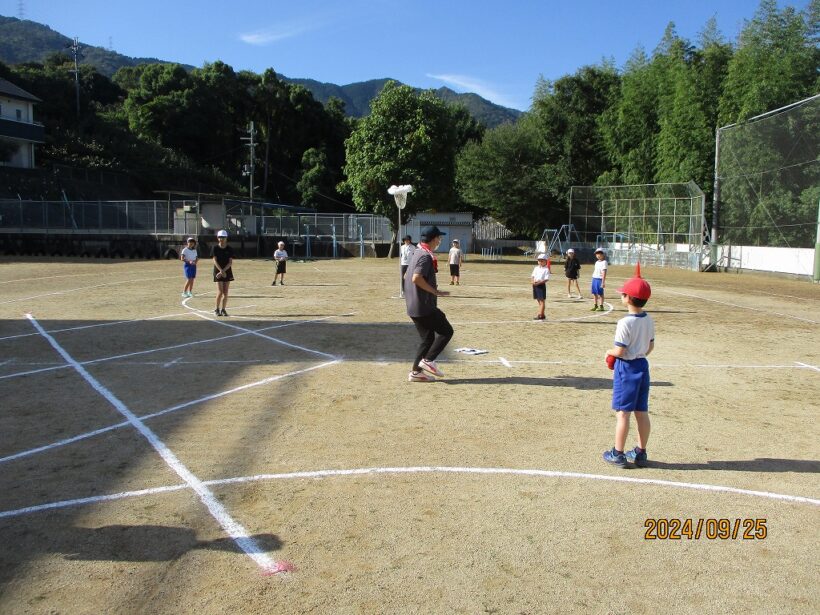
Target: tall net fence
(768, 178)
(656, 224)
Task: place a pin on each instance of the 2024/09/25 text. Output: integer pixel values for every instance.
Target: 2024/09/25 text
(662, 528)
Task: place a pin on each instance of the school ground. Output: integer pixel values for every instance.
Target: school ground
(157, 459)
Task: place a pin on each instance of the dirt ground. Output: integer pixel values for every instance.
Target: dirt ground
(155, 459)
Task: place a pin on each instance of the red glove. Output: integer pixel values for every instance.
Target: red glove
(610, 361)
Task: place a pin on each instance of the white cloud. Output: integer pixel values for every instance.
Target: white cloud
(274, 34)
(477, 86)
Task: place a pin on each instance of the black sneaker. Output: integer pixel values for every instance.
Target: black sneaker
(216, 311)
(223, 313)
(615, 458)
(274, 283)
(637, 456)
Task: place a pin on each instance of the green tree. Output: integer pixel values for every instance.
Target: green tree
(315, 179)
(502, 175)
(408, 138)
(776, 62)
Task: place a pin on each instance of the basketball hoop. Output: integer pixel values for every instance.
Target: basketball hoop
(400, 194)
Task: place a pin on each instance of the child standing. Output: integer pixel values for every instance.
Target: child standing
(281, 258)
(189, 258)
(634, 340)
(572, 267)
(405, 254)
(222, 255)
(599, 279)
(455, 261)
(540, 275)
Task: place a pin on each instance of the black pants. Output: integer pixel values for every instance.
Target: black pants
(435, 332)
(403, 271)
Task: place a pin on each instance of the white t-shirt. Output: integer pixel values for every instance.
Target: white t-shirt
(280, 255)
(600, 267)
(540, 274)
(455, 256)
(406, 253)
(634, 332)
(189, 255)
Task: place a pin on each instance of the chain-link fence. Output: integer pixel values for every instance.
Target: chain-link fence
(658, 224)
(88, 216)
(767, 184)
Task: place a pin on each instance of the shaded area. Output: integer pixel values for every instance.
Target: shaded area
(574, 382)
(761, 464)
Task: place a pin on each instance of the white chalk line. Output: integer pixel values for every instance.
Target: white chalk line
(175, 408)
(74, 290)
(317, 474)
(99, 324)
(806, 365)
(654, 364)
(744, 307)
(49, 277)
(173, 347)
(258, 333)
(218, 511)
(530, 321)
(504, 362)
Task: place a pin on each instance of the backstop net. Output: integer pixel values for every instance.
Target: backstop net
(656, 224)
(768, 178)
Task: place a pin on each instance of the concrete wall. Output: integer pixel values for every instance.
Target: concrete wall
(796, 261)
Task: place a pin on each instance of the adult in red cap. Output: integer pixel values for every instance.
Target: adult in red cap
(634, 340)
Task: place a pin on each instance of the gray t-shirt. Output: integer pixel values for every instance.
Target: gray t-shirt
(420, 302)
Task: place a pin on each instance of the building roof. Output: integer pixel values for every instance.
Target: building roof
(7, 88)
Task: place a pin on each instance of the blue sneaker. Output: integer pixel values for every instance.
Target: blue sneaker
(615, 458)
(637, 457)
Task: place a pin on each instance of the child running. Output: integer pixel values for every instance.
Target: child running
(572, 267)
(634, 340)
(540, 275)
(599, 280)
(189, 258)
(281, 258)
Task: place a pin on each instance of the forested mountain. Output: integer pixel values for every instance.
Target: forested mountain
(28, 41)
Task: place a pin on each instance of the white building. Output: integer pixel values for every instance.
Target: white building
(17, 126)
(457, 225)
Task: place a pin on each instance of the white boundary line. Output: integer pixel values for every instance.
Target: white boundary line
(74, 290)
(176, 346)
(218, 511)
(797, 499)
(744, 307)
(807, 366)
(145, 417)
(99, 324)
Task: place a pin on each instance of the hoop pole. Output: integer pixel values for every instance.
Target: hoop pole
(817, 247)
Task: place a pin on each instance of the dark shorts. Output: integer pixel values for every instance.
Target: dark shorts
(190, 270)
(454, 270)
(597, 289)
(571, 276)
(539, 292)
(281, 267)
(228, 277)
(630, 385)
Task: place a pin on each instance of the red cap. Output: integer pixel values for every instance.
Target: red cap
(636, 286)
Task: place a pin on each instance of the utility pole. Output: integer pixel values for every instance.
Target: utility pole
(249, 168)
(75, 50)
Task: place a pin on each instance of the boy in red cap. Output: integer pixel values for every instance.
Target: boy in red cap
(634, 340)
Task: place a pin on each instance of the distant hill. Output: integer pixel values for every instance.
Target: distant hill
(28, 41)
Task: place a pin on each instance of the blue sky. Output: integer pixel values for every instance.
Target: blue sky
(495, 49)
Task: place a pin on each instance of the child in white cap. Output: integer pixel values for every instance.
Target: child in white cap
(599, 280)
(572, 268)
(189, 258)
(539, 277)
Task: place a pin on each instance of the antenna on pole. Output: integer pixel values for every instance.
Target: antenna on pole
(21, 10)
(75, 50)
(249, 168)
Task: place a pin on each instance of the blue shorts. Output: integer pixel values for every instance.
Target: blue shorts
(539, 292)
(597, 289)
(630, 385)
(190, 270)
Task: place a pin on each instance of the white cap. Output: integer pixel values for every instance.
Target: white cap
(190, 239)
(601, 250)
(541, 257)
(570, 251)
(222, 234)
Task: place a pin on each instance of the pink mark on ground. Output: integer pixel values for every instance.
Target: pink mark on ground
(280, 566)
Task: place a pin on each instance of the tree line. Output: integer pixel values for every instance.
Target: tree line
(652, 121)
